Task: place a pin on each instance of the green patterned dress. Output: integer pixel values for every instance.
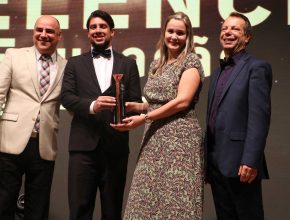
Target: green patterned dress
(168, 179)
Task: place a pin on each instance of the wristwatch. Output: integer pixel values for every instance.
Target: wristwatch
(147, 119)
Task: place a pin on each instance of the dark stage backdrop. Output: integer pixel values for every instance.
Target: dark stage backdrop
(138, 24)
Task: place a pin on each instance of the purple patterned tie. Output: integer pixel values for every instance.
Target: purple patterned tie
(43, 83)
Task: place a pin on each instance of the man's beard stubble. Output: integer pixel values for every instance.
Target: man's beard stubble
(103, 46)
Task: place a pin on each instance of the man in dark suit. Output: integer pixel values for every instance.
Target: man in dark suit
(238, 119)
(98, 153)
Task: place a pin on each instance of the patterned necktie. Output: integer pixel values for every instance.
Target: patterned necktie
(44, 80)
(44, 74)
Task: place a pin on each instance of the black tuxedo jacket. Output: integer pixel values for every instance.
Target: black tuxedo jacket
(243, 117)
(80, 88)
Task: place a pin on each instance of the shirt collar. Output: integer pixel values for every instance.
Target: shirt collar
(238, 55)
(53, 56)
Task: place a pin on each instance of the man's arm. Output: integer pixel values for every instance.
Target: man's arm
(69, 95)
(259, 112)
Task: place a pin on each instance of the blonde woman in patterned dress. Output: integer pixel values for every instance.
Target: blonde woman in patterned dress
(168, 179)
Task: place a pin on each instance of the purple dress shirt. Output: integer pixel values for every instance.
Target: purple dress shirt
(226, 72)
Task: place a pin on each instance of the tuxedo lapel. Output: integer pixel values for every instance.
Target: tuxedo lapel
(237, 69)
(116, 69)
(117, 63)
(212, 88)
(89, 65)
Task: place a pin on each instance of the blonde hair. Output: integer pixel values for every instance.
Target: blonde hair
(188, 48)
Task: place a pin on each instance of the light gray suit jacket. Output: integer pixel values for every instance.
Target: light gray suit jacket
(20, 103)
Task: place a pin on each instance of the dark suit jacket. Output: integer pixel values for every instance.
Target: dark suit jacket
(80, 88)
(243, 117)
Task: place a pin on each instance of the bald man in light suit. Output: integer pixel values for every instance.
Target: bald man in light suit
(29, 120)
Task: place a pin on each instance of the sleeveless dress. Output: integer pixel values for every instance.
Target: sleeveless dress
(168, 179)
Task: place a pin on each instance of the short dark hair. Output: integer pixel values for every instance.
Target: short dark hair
(248, 26)
(103, 15)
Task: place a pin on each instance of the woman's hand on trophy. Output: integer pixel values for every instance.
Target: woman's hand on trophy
(129, 123)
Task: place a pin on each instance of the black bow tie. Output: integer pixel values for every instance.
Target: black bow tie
(104, 53)
(227, 62)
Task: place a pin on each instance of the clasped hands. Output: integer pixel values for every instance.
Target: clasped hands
(109, 103)
(132, 121)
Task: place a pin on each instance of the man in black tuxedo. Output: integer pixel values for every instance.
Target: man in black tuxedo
(98, 154)
(238, 118)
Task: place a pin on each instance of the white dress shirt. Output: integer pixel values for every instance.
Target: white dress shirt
(103, 69)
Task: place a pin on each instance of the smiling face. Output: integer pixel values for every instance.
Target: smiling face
(175, 37)
(233, 37)
(46, 34)
(99, 33)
